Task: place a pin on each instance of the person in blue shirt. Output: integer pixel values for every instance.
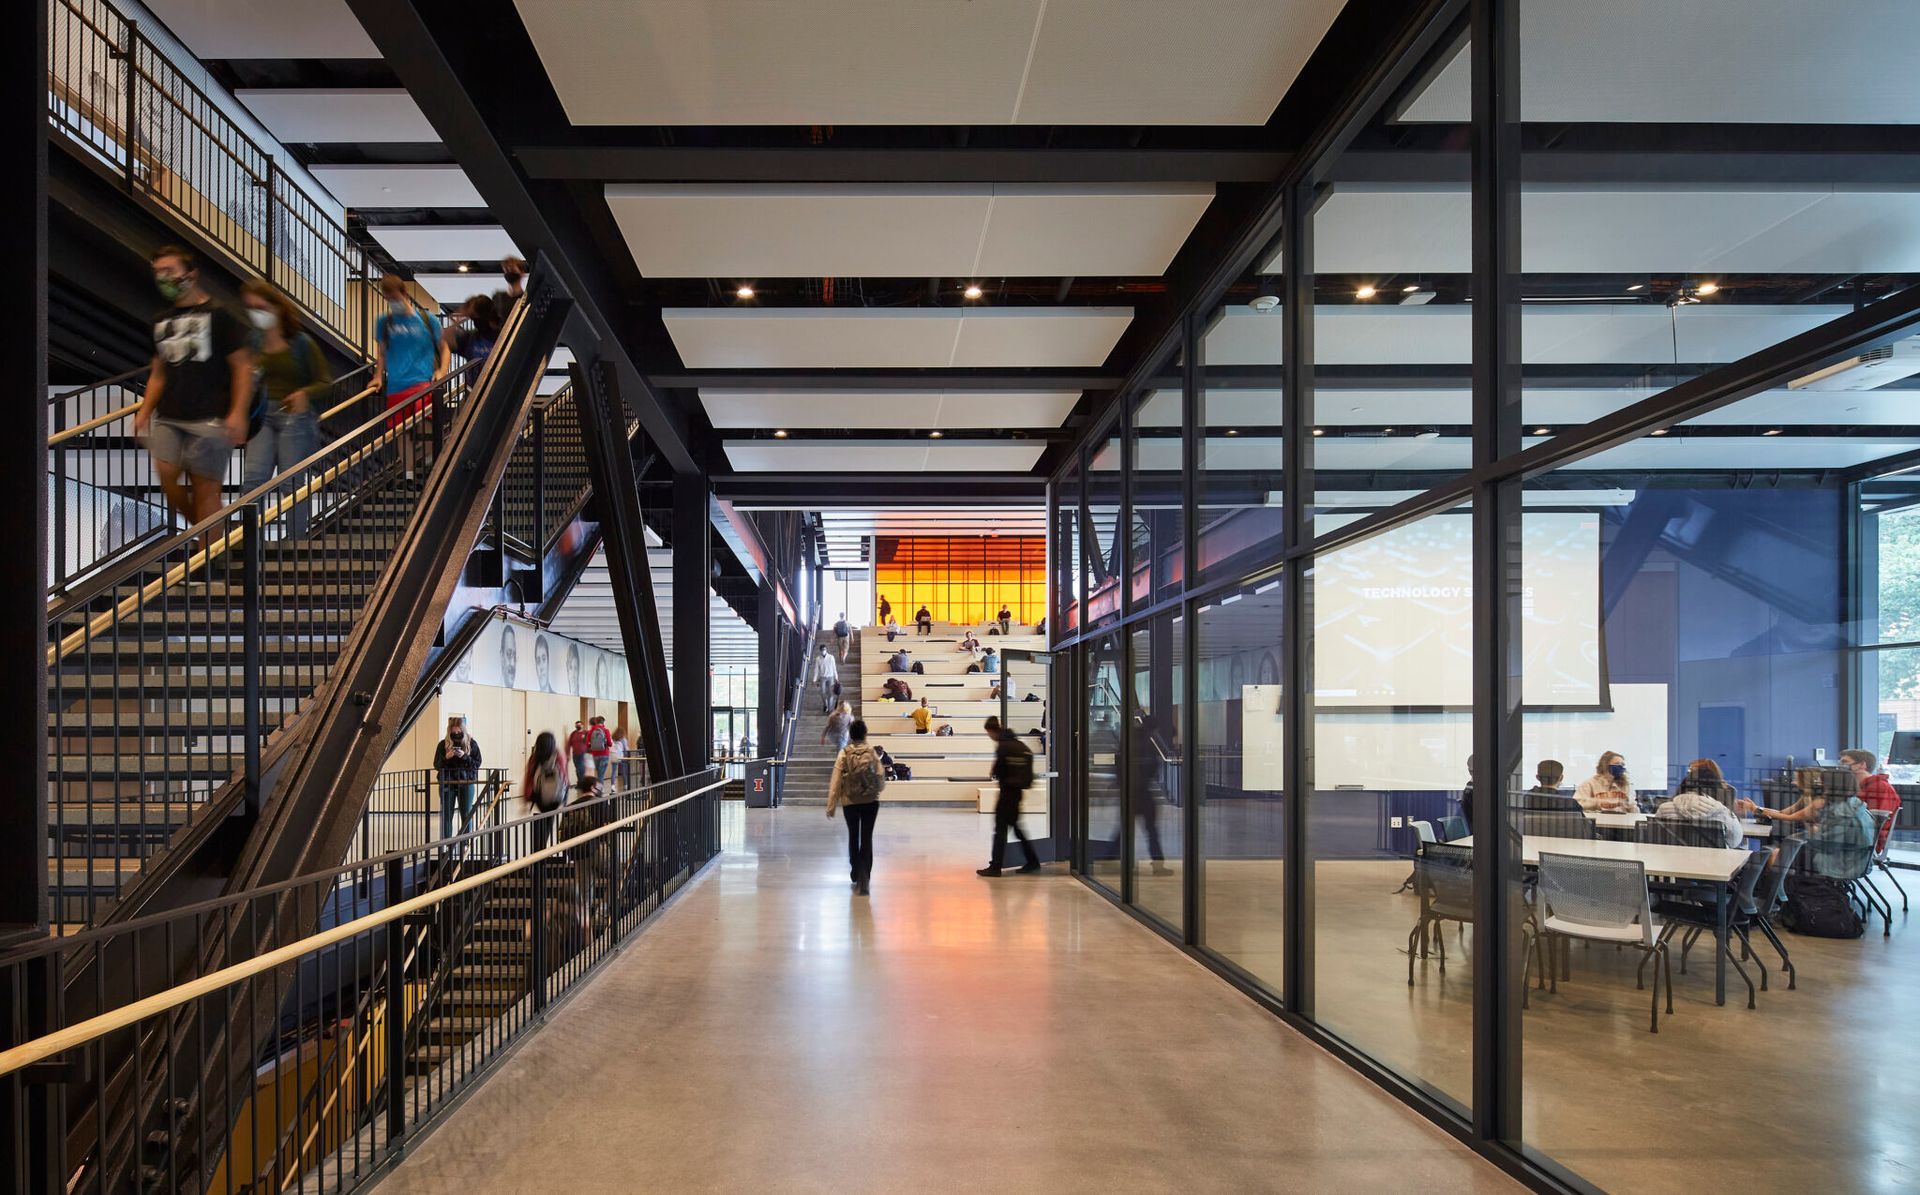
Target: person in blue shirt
(409, 356)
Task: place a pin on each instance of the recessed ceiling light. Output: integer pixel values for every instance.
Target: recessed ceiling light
(463, 267)
(973, 290)
(1637, 286)
(1658, 431)
(745, 292)
(780, 434)
(1407, 290)
(1365, 292)
(1233, 431)
(1539, 431)
(1319, 431)
(1386, 431)
(1426, 435)
(936, 435)
(1707, 288)
(1772, 431)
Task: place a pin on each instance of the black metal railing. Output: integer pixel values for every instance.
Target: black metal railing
(133, 114)
(404, 810)
(311, 1062)
(169, 673)
(546, 481)
(103, 493)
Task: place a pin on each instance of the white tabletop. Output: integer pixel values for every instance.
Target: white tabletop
(1615, 821)
(1757, 829)
(1714, 863)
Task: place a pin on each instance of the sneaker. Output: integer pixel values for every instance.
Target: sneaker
(1029, 869)
(1161, 869)
(862, 890)
(990, 872)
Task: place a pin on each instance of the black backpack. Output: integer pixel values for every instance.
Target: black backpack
(1817, 906)
(1016, 769)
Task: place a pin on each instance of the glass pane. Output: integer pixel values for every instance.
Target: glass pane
(1155, 760)
(1692, 671)
(1102, 543)
(1393, 727)
(1238, 736)
(1159, 522)
(1066, 545)
(1240, 416)
(1104, 714)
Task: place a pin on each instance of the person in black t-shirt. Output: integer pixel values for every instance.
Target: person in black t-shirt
(199, 388)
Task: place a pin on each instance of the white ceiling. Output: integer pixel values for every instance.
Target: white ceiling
(588, 613)
(883, 456)
(453, 289)
(1455, 453)
(863, 408)
(1412, 408)
(251, 29)
(445, 242)
(399, 186)
(893, 337)
(1586, 334)
(868, 62)
(1404, 231)
(1706, 61)
(905, 231)
(354, 115)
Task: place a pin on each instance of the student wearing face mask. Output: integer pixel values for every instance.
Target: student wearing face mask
(1609, 789)
(409, 356)
(514, 271)
(294, 377)
(199, 388)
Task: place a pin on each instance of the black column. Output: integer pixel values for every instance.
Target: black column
(1296, 647)
(767, 625)
(692, 638)
(1496, 567)
(23, 224)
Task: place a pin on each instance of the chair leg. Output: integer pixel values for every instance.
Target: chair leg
(1440, 944)
(1668, 962)
(1743, 974)
(1527, 950)
(1419, 929)
(1654, 952)
(1786, 960)
(1880, 898)
(1895, 881)
(1748, 956)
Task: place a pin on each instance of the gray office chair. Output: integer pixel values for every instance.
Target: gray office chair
(1603, 900)
(1882, 841)
(1541, 823)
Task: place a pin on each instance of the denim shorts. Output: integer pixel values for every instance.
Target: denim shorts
(200, 447)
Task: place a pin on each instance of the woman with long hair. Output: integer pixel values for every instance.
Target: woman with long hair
(295, 378)
(543, 786)
(1706, 797)
(1609, 789)
(1840, 827)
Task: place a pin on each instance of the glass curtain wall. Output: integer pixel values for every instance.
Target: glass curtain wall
(1543, 647)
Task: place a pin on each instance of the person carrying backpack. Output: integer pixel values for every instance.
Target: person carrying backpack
(1013, 769)
(600, 746)
(844, 634)
(543, 786)
(858, 779)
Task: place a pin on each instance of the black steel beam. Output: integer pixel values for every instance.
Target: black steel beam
(831, 164)
(623, 533)
(23, 825)
(451, 67)
(692, 545)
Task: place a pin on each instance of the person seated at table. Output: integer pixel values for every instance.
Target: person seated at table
(1545, 793)
(1609, 789)
(1703, 777)
(1698, 800)
(1840, 835)
(1876, 791)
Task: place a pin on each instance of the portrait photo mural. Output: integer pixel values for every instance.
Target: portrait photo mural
(514, 656)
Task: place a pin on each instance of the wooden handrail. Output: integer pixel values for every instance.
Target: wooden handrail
(81, 1032)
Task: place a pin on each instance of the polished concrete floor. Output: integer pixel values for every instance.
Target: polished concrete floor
(773, 1032)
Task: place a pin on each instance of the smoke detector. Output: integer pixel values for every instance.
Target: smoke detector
(1264, 303)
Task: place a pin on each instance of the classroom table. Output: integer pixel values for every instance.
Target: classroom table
(1714, 866)
(1628, 821)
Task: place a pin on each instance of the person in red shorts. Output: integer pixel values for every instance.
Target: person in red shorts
(409, 357)
(1876, 791)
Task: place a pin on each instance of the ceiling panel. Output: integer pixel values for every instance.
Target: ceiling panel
(1552, 335)
(1706, 61)
(1406, 231)
(453, 289)
(1150, 62)
(865, 408)
(424, 185)
(878, 62)
(353, 115)
(250, 29)
(910, 338)
(444, 242)
(857, 456)
(751, 232)
(1443, 453)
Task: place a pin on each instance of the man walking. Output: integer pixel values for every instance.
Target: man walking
(456, 762)
(199, 389)
(408, 355)
(843, 633)
(600, 747)
(1013, 770)
(827, 673)
(577, 751)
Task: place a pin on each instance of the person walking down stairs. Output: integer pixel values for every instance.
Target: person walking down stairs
(826, 673)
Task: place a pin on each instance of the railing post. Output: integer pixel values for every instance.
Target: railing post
(273, 168)
(129, 129)
(537, 965)
(539, 504)
(396, 1013)
(251, 597)
(59, 528)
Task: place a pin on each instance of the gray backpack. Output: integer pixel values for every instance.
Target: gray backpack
(865, 778)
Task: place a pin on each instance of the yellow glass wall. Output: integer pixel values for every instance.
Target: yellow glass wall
(962, 580)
